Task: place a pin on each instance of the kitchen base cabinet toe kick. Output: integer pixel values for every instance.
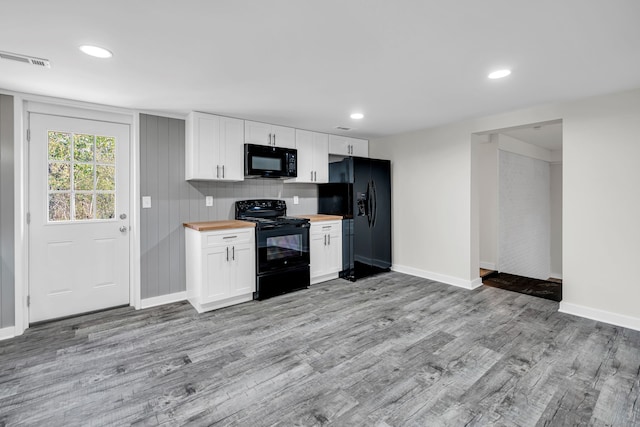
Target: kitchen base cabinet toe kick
(220, 267)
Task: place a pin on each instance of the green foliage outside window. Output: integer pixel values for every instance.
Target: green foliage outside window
(81, 176)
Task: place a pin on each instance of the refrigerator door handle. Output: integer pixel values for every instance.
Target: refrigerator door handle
(370, 203)
(374, 209)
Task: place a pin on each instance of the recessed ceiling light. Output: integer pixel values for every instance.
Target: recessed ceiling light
(357, 116)
(499, 74)
(98, 52)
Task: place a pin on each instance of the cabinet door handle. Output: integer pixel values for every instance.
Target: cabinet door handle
(233, 253)
(227, 253)
(217, 171)
(311, 175)
(325, 240)
(223, 171)
(315, 175)
(329, 239)
(229, 237)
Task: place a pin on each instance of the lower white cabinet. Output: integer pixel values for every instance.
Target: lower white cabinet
(221, 267)
(326, 250)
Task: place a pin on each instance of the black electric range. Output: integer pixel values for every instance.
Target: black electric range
(282, 247)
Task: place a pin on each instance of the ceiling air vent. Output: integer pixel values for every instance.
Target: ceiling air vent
(25, 59)
(342, 128)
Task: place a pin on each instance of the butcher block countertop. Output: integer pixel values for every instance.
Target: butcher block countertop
(320, 217)
(219, 225)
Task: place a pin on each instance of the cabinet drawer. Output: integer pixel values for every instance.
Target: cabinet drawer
(324, 227)
(227, 237)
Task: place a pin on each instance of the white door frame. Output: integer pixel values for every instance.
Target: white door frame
(23, 105)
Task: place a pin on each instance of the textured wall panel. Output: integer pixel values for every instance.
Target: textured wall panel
(524, 212)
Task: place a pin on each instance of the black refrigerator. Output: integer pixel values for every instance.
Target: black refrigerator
(359, 189)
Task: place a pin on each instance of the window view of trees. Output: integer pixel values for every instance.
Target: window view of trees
(82, 174)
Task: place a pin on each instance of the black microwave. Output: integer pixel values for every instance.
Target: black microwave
(262, 161)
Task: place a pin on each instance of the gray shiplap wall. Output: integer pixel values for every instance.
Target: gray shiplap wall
(7, 265)
(175, 201)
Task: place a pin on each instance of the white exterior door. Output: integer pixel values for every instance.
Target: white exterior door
(79, 209)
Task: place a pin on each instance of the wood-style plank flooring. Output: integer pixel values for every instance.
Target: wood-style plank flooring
(391, 350)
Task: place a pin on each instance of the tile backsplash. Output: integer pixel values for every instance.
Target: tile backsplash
(225, 194)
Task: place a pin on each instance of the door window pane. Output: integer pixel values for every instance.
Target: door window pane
(105, 204)
(84, 206)
(60, 146)
(60, 207)
(106, 177)
(105, 149)
(59, 176)
(83, 148)
(81, 176)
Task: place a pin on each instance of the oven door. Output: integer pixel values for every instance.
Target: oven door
(282, 247)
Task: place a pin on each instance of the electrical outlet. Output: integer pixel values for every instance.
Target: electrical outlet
(208, 201)
(296, 200)
(146, 202)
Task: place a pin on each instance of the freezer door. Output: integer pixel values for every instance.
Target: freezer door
(381, 214)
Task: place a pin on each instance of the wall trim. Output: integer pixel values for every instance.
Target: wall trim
(442, 278)
(600, 315)
(488, 265)
(7, 333)
(555, 275)
(163, 299)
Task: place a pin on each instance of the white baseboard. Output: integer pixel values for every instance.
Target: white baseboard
(449, 280)
(163, 299)
(555, 276)
(6, 333)
(324, 278)
(600, 315)
(488, 265)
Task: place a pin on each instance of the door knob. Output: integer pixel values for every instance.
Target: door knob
(123, 216)
(123, 229)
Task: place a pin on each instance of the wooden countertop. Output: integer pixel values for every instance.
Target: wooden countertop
(218, 225)
(320, 217)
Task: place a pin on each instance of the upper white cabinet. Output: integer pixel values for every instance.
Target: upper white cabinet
(266, 134)
(313, 157)
(214, 148)
(346, 146)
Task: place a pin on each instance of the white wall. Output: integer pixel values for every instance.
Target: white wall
(431, 202)
(524, 194)
(488, 194)
(431, 184)
(556, 220)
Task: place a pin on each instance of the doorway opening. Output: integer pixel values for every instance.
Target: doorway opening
(520, 208)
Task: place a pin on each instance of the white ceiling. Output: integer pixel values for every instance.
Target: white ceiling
(406, 64)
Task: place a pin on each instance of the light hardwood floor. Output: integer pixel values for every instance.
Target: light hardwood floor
(391, 350)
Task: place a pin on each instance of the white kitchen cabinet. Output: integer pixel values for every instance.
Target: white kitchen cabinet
(347, 146)
(267, 134)
(325, 250)
(313, 157)
(221, 267)
(214, 148)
